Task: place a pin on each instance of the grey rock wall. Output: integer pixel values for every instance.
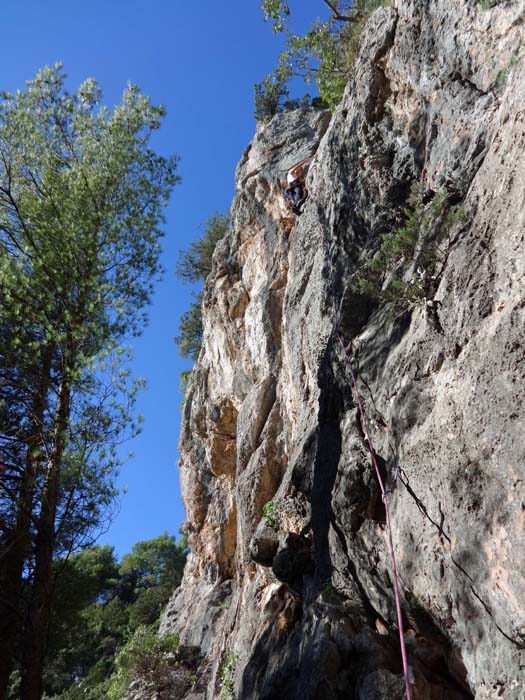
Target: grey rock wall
(300, 602)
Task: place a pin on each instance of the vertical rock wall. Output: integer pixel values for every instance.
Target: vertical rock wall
(294, 600)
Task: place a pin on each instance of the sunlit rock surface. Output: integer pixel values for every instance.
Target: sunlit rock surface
(297, 604)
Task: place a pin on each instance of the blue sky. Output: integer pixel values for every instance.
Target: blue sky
(199, 59)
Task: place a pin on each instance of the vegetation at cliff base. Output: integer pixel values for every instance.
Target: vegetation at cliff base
(81, 206)
(104, 617)
(145, 656)
(325, 54)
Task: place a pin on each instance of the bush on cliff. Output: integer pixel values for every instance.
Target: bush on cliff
(194, 266)
(189, 340)
(271, 97)
(408, 263)
(326, 53)
(145, 657)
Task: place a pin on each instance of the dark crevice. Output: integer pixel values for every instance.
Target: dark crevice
(375, 508)
(456, 77)
(433, 318)
(372, 613)
(326, 464)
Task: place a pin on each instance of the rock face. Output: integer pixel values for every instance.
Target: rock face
(288, 590)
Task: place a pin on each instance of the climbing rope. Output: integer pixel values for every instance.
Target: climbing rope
(366, 429)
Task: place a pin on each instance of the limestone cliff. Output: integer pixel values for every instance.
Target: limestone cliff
(295, 602)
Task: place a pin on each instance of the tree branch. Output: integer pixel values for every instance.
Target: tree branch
(337, 15)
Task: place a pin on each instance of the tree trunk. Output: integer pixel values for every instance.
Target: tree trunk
(16, 545)
(37, 623)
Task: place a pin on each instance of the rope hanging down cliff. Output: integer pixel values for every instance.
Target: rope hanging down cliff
(388, 522)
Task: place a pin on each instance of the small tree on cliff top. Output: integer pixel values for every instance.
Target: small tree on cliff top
(81, 198)
(326, 52)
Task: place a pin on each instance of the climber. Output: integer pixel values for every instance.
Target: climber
(296, 192)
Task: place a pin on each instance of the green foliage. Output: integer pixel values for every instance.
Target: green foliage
(99, 605)
(184, 378)
(195, 265)
(227, 675)
(302, 103)
(81, 209)
(81, 205)
(225, 602)
(14, 686)
(404, 269)
(330, 594)
(269, 513)
(278, 11)
(183, 381)
(156, 562)
(488, 4)
(328, 587)
(269, 96)
(81, 580)
(144, 656)
(189, 340)
(149, 605)
(319, 103)
(326, 52)
(504, 74)
(85, 576)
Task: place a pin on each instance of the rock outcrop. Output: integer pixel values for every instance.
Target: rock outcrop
(288, 591)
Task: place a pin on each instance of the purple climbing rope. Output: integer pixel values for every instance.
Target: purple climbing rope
(388, 522)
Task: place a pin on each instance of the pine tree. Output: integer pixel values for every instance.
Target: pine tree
(81, 198)
(194, 265)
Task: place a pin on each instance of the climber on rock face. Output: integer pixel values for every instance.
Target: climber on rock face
(296, 192)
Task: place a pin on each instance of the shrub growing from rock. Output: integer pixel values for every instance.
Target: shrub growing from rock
(405, 269)
(146, 657)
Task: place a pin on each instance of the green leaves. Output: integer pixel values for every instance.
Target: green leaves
(269, 96)
(144, 656)
(227, 674)
(269, 513)
(325, 53)
(195, 265)
(277, 11)
(81, 213)
(157, 561)
(81, 202)
(102, 607)
(404, 269)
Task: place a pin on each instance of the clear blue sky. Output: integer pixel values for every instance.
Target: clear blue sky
(199, 59)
